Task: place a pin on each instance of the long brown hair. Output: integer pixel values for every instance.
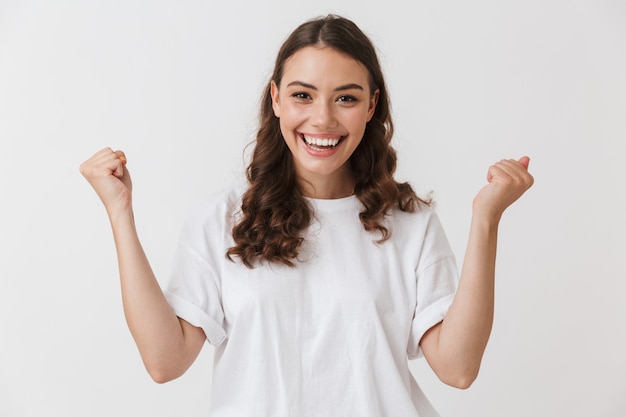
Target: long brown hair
(273, 212)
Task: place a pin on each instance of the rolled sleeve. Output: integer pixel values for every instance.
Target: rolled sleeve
(436, 285)
(185, 310)
(194, 294)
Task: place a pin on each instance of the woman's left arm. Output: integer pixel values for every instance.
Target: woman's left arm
(454, 348)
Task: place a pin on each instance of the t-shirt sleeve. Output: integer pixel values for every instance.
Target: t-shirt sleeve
(193, 293)
(437, 280)
(194, 290)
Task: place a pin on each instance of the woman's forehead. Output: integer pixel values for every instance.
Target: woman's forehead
(323, 67)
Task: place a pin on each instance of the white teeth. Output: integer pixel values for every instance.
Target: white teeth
(321, 142)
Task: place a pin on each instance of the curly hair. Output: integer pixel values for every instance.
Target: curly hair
(274, 212)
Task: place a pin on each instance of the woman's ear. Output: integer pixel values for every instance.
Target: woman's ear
(373, 103)
(275, 102)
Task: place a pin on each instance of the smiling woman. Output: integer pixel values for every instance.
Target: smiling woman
(323, 118)
(327, 84)
(318, 280)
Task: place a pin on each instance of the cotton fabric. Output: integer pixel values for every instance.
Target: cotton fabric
(330, 337)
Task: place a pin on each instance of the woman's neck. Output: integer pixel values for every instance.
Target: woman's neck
(328, 188)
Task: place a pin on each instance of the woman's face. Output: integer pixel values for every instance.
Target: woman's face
(324, 103)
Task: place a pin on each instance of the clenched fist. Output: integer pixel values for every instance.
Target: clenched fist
(507, 181)
(106, 172)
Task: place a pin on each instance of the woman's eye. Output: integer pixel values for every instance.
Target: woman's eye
(346, 99)
(302, 96)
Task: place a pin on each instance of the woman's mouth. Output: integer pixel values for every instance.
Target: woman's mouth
(321, 144)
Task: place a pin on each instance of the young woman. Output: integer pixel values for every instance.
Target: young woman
(322, 276)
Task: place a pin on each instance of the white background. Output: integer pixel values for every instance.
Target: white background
(176, 85)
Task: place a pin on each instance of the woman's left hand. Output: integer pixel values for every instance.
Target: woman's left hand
(507, 181)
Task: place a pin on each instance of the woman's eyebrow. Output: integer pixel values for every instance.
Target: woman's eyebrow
(351, 86)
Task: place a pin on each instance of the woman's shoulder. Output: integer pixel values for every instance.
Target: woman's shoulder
(420, 212)
(421, 224)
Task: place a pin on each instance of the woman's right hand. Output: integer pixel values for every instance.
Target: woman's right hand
(106, 172)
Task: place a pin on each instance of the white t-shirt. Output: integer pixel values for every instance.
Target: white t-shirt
(329, 337)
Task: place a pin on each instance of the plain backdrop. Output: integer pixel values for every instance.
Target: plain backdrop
(177, 85)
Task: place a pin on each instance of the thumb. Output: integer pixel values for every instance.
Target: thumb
(524, 160)
(120, 170)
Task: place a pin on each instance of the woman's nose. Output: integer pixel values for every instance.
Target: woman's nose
(324, 115)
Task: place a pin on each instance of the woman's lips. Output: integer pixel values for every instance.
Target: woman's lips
(321, 143)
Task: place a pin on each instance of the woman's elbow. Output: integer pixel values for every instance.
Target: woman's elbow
(461, 380)
(161, 374)
(160, 378)
(461, 383)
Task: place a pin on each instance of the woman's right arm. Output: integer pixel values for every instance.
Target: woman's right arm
(168, 345)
